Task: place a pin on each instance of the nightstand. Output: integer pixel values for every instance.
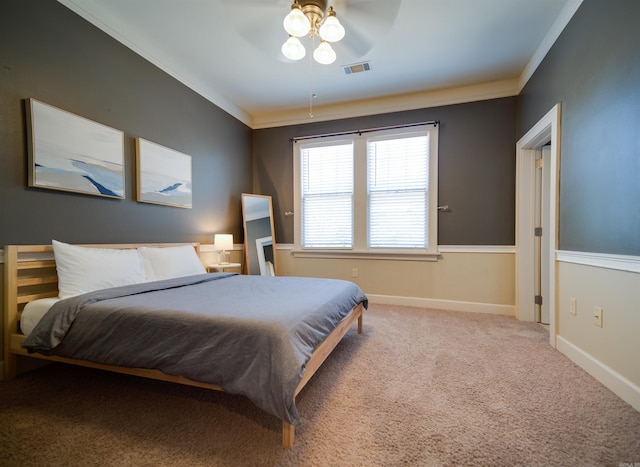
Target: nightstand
(221, 267)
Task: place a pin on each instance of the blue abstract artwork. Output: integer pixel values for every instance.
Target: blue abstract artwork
(72, 153)
(164, 175)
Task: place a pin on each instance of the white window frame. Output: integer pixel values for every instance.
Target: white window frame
(360, 249)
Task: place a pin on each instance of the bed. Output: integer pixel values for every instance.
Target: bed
(263, 337)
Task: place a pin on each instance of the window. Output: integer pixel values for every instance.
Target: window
(370, 194)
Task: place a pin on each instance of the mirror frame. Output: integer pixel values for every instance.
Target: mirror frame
(244, 198)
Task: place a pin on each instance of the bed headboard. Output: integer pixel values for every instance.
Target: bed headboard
(30, 274)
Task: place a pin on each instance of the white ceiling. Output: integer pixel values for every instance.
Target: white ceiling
(433, 52)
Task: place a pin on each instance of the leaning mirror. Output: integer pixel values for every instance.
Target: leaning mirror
(259, 235)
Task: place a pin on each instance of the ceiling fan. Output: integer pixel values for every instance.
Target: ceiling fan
(365, 22)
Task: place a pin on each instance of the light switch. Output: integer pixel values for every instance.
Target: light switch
(597, 316)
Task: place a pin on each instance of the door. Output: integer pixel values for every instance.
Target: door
(541, 232)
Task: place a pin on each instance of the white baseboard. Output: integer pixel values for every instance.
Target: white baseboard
(438, 304)
(618, 384)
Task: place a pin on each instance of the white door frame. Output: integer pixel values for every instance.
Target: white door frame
(548, 128)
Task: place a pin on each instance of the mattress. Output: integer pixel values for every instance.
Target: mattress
(33, 312)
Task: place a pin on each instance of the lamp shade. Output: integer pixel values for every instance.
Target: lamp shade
(293, 49)
(331, 29)
(324, 54)
(296, 23)
(223, 241)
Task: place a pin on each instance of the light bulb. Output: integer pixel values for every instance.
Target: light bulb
(331, 29)
(324, 54)
(296, 23)
(293, 49)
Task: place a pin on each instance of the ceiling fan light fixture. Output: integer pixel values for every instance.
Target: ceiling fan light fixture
(296, 23)
(293, 49)
(331, 29)
(324, 54)
(312, 17)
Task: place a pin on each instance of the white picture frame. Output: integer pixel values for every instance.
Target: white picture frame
(163, 175)
(67, 152)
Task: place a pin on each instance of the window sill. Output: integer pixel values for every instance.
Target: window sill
(377, 255)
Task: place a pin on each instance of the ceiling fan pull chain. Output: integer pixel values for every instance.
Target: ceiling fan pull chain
(312, 95)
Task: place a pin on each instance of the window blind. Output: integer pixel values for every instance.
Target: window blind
(327, 196)
(398, 192)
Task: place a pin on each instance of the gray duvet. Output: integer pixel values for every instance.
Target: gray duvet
(250, 335)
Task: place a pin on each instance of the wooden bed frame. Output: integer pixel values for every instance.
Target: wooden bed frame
(30, 274)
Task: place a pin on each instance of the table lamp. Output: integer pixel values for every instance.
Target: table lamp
(223, 242)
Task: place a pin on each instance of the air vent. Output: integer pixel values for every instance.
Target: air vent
(356, 68)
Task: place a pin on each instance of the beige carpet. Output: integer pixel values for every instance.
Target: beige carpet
(419, 387)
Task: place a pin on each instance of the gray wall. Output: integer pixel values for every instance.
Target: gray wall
(476, 168)
(49, 53)
(593, 70)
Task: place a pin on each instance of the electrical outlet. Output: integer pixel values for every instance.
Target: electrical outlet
(573, 306)
(354, 272)
(597, 316)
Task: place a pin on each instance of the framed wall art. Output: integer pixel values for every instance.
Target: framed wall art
(163, 175)
(71, 153)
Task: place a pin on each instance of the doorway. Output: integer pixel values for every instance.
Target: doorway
(537, 276)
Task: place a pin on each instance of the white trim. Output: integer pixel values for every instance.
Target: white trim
(440, 304)
(486, 249)
(547, 128)
(549, 39)
(377, 255)
(389, 104)
(269, 119)
(618, 384)
(385, 104)
(447, 248)
(360, 154)
(492, 249)
(600, 260)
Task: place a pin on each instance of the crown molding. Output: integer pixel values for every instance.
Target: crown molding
(388, 104)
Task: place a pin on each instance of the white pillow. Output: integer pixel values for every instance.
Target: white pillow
(161, 263)
(83, 269)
